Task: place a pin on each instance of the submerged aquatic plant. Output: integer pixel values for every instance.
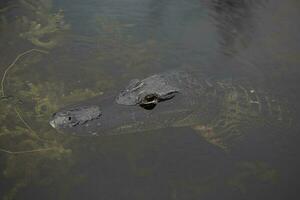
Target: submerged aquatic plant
(44, 34)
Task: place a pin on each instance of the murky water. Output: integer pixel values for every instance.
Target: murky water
(88, 48)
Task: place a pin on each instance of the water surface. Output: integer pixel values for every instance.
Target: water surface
(98, 47)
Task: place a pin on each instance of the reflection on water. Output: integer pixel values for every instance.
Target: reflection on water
(89, 48)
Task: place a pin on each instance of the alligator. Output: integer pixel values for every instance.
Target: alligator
(220, 110)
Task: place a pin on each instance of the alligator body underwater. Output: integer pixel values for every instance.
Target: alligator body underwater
(220, 110)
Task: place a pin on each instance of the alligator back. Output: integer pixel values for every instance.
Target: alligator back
(239, 108)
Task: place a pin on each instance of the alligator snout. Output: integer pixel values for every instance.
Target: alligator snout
(75, 116)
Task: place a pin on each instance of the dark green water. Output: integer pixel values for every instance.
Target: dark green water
(89, 48)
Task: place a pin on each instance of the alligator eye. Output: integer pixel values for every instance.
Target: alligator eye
(149, 101)
(150, 98)
(70, 118)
